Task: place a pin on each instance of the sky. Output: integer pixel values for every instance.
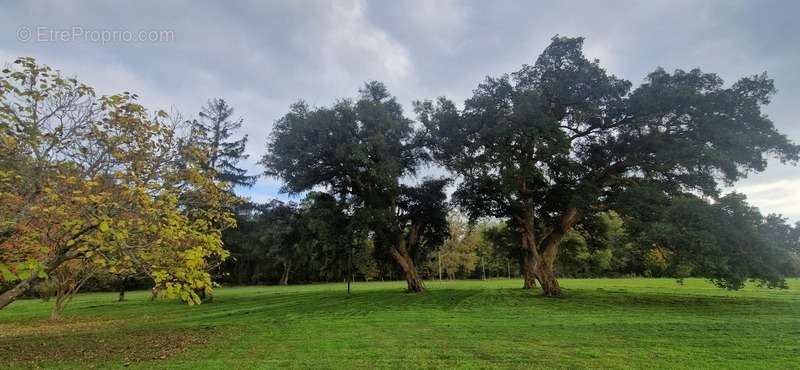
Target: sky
(261, 56)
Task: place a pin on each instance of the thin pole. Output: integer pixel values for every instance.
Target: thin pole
(440, 264)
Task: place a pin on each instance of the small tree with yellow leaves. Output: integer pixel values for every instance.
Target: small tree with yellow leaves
(102, 181)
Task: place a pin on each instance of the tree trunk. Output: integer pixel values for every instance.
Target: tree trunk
(64, 253)
(63, 296)
(545, 261)
(285, 276)
(530, 281)
(67, 289)
(528, 273)
(122, 287)
(540, 255)
(12, 294)
(528, 259)
(439, 260)
(545, 273)
(58, 307)
(406, 263)
(349, 269)
(205, 297)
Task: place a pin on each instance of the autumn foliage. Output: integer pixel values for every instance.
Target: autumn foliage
(102, 182)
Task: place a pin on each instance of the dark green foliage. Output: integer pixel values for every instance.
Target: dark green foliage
(780, 234)
(503, 240)
(337, 239)
(727, 241)
(270, 237)
(549, 145)
(359, 152)
(212, 133)
(357, 148)
(601, 247)
(290, 243)
(283, 235)
(425, 207)
(246, 264)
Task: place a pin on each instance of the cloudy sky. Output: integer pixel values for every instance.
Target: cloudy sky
(261, 55)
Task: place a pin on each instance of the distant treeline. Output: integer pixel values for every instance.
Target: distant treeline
(276, 243)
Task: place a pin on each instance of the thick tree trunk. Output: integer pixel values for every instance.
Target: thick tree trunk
(530, 281)
(528, 274)
(529, 253)
(540, 254)
(285, 276)
(550, 287)
(542, 267)
(545, 262)
(545, 273)
(406, 263)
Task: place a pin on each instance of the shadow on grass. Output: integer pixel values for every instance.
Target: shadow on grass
(298, 305)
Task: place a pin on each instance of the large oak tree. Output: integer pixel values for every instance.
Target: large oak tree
(551, 145)
(359, 151)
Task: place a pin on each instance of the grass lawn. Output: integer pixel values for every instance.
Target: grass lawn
(600, 323)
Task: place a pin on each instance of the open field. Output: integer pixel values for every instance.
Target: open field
(600, 323)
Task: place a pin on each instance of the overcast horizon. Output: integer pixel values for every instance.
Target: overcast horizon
(261, 57)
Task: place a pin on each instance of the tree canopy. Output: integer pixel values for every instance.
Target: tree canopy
(360, 151)
(553, 143)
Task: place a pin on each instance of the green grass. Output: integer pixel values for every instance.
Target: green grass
(600, 323)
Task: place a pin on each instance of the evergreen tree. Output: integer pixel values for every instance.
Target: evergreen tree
(213, 132)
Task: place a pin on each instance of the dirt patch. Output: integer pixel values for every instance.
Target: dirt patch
(92, 349)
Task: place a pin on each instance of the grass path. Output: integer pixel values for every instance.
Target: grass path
(600, 323)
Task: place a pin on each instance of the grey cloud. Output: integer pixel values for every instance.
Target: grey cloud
(262, 56)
